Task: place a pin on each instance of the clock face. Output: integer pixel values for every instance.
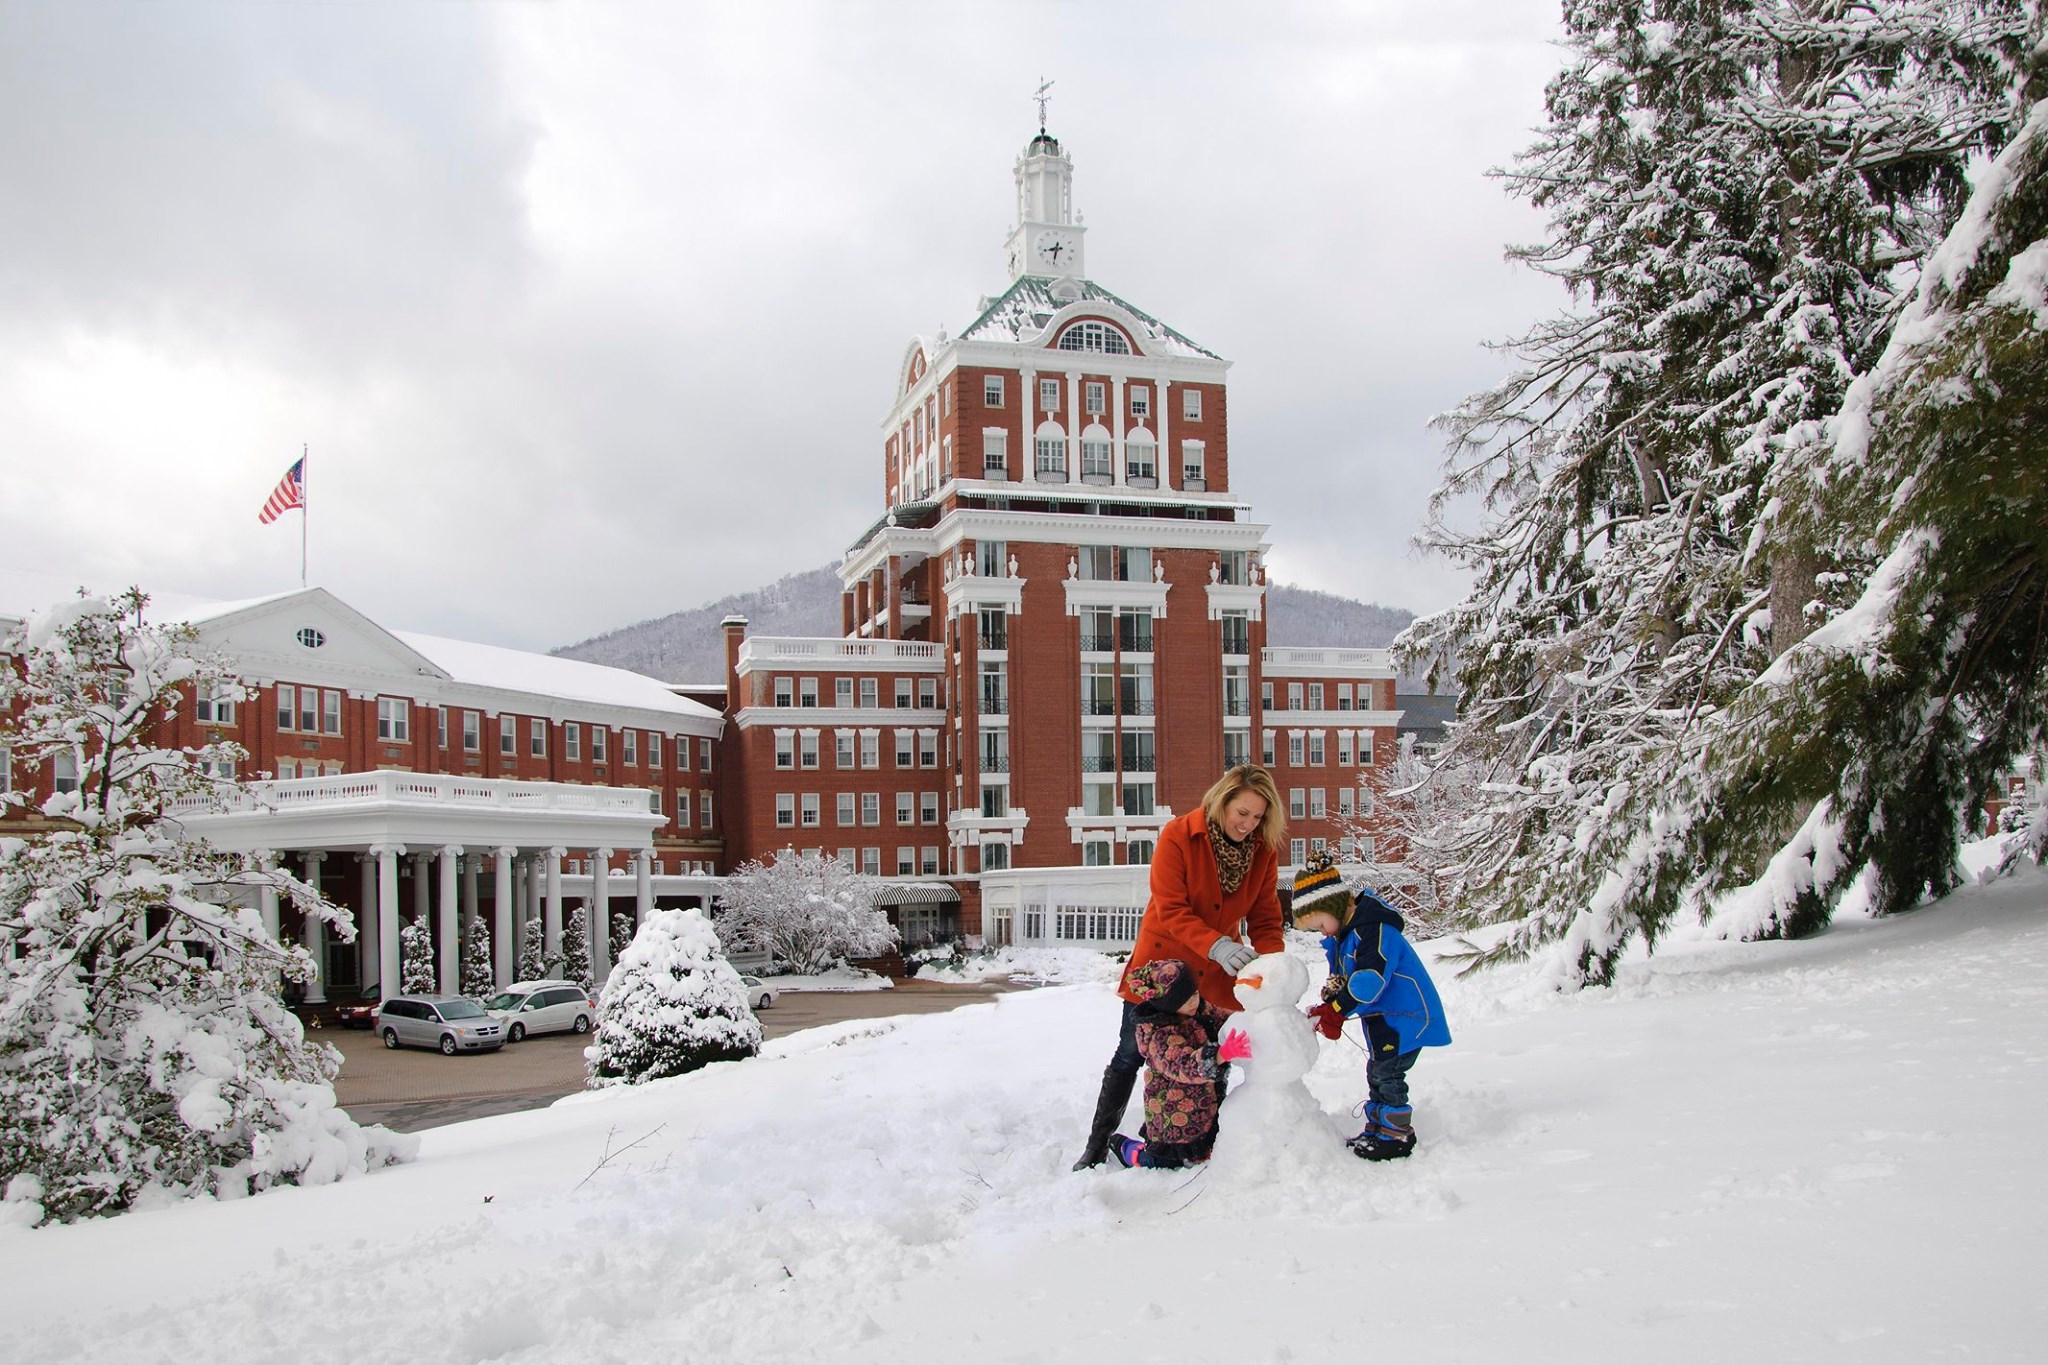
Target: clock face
(1055, 249)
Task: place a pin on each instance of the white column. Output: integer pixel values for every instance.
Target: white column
(503, 949)
(1165, 436)
(266, 896)
(601, 915)
(422, 890)
(451, 943)
(313, 933)
(388, 976)
(552, 912)
(1074, 419)
(1027, 414)
(471, 864)
(367, 958)
(643, 886)
(1116, 431)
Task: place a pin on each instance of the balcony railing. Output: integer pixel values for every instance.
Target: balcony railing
(1097, 644)
(999, 639)
(994, 706)
(1098, 765)
(1134, 706)
(1098, 706)
(1237, 707)
(995, 763)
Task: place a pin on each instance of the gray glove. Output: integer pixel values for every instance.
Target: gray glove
(1230, 955)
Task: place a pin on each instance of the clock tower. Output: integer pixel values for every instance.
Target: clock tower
(1046, 241)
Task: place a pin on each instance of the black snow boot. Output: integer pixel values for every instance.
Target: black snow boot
(1109, 1111)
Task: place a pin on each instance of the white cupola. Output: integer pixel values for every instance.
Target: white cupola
(1046, 241)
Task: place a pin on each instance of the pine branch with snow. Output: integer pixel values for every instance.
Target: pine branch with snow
(479, 980)
(143, 1043)
(533, 960)
(672, 1005)
(576, 948)
(417, 973)
(805, 909)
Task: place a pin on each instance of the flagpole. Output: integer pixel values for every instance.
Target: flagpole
(305, 510)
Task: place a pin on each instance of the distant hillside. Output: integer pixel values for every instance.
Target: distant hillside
(686, 646)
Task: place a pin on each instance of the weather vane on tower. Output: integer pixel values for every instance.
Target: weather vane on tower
(1043, 99)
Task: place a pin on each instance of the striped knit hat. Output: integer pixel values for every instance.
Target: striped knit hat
(1319, 886)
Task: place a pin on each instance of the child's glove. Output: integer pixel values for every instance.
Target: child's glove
(1328, 1019)
(1230, 955)
(1336, 993)
(1235, 1047)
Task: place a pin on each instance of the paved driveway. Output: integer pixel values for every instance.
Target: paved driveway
(414, 1089)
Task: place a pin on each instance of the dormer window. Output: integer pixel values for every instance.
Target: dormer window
(1094, 336)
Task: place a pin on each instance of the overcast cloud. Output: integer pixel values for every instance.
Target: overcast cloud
(591, 312)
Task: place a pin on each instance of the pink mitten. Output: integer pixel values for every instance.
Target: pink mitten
(1235, 1047)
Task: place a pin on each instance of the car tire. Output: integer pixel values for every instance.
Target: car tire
(447, 1045)
(515, 1033)
(583, 1023)
(764, 1002)
(391, 1039)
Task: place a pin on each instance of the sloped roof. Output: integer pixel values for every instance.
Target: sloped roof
(1024, 308)
(516, 670)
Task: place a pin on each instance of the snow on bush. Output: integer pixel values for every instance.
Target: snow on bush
(533, 954)
(576, 948)
(145, 1052)
(416, 974)
(805, 909)
(672, 1005)
(478, 980)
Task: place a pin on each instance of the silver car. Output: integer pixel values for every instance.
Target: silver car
(448, 1022)
(542, 1007)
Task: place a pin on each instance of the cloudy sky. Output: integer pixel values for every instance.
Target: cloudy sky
(588, 312)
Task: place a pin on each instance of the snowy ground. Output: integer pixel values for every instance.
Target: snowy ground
(1823, 1151)
(838, 979)
(1038, 966)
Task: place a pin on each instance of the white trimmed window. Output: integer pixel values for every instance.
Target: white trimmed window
(1094, 400)
(1343, 748)
(1294, 748)
(903, 694)
(1052, 453)
(870, 693)
(871, 748)
(810, 809)
(1315, 696)
(330, 712)
(654, 749)
(785, 748)
(287, 707)
(440, 727)
(906, 808)
(871, 861)
(785, 692)
(871, 808)
(842, 749)
(928, 808)
(991, 390)
(213, 708)
(1048, 395)
(842, 693)
(807, 749)
(928, 860)
(1318, 804)
(1365, 748)
(1191, 405)
(572, 741)
(683, 808)
(995, 450)
(394, 719)
(1141, 400)
(704, 759)
(1315, 748)
(537, 737)
(472, 731)
(846, 812)
(906, 748)
(785, 810)
(1345, 805)
(1141, 459)
(1297, 803)
(599, 740)
(64, 771)
(1297, 851)
(704, 817)
(806, 691)
(508, 736)
(1266, 748)
(1193, 462)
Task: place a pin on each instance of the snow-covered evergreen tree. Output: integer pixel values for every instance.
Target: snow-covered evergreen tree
(806, 909)
(673, 1004)
(533, 959)
(417, 973)
(1409, 823)
(143, 1043)
(622, 933)
(1733, 187)
(479, 980)
(576, 948)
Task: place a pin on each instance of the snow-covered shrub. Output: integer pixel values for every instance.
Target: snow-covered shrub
(533, 957)
(144, 1049)
(416, 972)
(622, 933)
(576, 948)
(479, 981)
(672, 1005)
(806, 909)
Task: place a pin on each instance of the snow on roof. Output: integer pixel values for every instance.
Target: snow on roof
(543, 674)
(23, 591)
(1028, 305)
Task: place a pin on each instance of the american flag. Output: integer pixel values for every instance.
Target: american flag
(289, 493)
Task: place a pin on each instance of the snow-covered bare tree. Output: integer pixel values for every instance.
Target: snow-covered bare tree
(1407, 823)
(1734, 189)
(143, 1043)
(805, 909)
(479, 981)
(417, 974)
(576, 948)
(673, 1004)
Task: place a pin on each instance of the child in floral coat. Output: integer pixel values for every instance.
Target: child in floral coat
(1176, 1035)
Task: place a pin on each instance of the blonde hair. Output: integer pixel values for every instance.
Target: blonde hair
(1249, 777)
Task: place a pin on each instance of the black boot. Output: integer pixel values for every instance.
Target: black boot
(1109, 1111)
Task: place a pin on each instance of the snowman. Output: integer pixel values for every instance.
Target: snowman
(1269, 1120)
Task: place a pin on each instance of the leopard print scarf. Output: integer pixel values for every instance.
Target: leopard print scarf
(1233, 859)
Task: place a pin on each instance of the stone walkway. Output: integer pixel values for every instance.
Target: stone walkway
(414, 1089)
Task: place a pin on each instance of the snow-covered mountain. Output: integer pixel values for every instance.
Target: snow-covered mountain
(686, 646)
(1822, 1151)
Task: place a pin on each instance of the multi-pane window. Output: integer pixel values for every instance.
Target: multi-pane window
(869, 693)
(1141, 400)
(1343, 696)
(1193, 463)
(992, 390)
(572, 743)
(440, 727)
(1094, 399)
(842, 693)
(1138, 852)
(1265, 696)
(704, 753)
(600, 737)
(1365, 748)
(394, 719)
(995, 799)
(1138, 798)
(287, 707)
(1233, 567)
(995, 857)
(995, 451)
(785, 749)
(928, 693)
(842, 749)
(1134, 630)
(810, 810)
(928, 808)
(903, 694)
(992, 626)
(1051, 454)
(1294, 748)
(1343, 748)
(472, 731)
(1095, 853)
(1237, 747)
(871, 862)
(683, 808)
(1096, 459)
(906, 808)
(1315, 696)
(806, 691)
(847, 807)
(537, 737)
(653, 749)
(871, 748)
(1138, 754)
(928, 860)
(1294, 702)
(63, 771)
(1049, 395)
(1237, 637)
(1191, 404)
(1094, 336)
(1266, 748)
(1297, 803)
(871, 808)
(330, 712)
(906, 748)
(1297, 851)
(1315, 748)
(785, 810)
(508, 727)
(806, 749)
(309, 707)
(1344, 801)
(1318, 805)
(704, 817)
(906, 860)
(1141, 460)
(213, 708)
(994, 690)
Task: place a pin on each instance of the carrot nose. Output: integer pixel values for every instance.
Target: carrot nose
(1253, 981)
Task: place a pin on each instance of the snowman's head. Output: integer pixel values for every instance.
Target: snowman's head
(1275, 981)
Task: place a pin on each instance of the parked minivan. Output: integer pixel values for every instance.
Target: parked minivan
(448, 1022)
(542, 1007)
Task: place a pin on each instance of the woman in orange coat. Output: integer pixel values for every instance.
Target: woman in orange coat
(1215, 877)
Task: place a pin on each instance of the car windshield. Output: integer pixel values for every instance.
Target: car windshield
(462, 1009)
(506, 1001)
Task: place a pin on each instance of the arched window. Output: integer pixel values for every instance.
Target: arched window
(1141, 459)
(1051, 442)
(1097, 462)
(1094, 336)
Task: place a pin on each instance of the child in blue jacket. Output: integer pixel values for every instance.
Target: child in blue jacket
(1376, 977)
